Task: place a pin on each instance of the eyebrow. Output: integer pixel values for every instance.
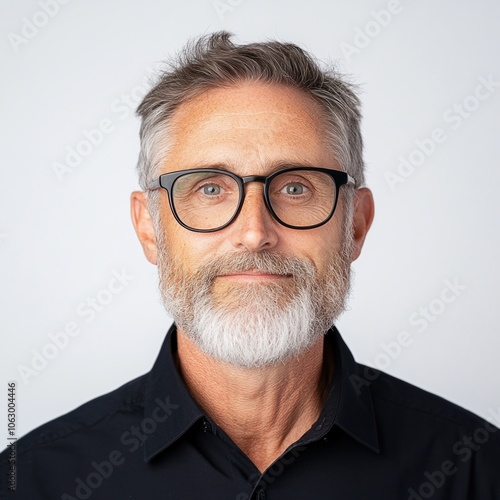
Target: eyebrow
(270, 169)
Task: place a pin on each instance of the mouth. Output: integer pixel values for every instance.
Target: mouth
(253, 275)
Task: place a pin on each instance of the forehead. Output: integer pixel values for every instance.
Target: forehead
(248, 124)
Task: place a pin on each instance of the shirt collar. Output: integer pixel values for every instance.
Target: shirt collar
(355, 414)
(165, 388)
(170, 410)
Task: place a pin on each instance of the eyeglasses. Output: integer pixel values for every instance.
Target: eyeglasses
(207, 200)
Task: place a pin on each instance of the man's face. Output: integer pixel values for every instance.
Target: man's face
(254, 280)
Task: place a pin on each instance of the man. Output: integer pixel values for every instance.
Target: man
(253, 206)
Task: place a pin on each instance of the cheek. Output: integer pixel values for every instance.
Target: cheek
(190, 249)
(320, 245)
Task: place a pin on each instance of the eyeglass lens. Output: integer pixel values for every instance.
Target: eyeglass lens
(208, 200)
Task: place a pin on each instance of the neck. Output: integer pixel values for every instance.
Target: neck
(263, 410)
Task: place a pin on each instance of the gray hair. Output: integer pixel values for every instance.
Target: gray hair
(214, 61)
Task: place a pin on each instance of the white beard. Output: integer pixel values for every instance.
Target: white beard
(255, 324)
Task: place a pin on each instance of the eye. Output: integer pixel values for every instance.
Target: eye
(294, 189)
(211, 189)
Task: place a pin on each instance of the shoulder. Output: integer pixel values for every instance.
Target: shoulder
(77, 424)
(399, 402)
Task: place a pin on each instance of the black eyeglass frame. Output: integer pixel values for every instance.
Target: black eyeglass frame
(166, 181)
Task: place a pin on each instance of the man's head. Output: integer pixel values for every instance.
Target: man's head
(256, 291)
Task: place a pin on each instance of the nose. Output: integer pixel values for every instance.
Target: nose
(254, 229)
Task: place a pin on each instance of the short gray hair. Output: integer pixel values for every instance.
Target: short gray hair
(214, 61)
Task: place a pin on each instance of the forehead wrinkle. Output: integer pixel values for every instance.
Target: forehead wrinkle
(265, 120)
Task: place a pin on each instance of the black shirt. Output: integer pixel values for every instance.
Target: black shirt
(377, 438)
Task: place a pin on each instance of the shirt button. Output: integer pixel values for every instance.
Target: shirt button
(260, 494)
(206, 426)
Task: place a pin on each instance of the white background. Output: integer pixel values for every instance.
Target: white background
(62, 238)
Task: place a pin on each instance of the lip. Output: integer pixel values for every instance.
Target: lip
(254, 276)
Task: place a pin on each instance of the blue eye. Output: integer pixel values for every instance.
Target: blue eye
(294, 189)
(211, 190)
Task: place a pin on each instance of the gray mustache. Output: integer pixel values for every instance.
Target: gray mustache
(265, 262)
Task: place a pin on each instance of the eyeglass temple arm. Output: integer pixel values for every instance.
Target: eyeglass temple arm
(153, 184)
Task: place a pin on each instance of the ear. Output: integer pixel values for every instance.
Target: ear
(143, 224)
(364, 210)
